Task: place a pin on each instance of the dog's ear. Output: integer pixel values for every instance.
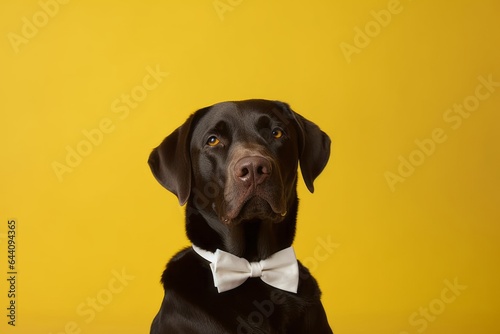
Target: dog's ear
(314, 147)
(315, 150)
(171, 164)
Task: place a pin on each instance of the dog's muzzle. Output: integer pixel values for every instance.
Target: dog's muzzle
(254, 190)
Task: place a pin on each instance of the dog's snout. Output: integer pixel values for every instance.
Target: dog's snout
(252, 169)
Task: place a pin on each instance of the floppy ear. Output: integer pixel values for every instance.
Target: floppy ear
(314, 149)
(171, 164)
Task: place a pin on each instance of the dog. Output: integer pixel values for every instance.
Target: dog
(234, 165)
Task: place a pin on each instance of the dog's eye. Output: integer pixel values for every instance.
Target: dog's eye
(213, 141)
(277, 133)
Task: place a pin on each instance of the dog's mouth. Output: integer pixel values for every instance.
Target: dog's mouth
(261, 206)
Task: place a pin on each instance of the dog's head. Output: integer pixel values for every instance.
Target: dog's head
(236, 162)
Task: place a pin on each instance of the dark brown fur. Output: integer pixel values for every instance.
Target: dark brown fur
(241, 198)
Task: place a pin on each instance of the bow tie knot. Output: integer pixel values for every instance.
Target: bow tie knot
(280, 270)
(256, 269)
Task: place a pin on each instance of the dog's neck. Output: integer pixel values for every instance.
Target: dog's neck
(253, 240)
(257, 240)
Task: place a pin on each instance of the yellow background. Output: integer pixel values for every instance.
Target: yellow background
(390, 250)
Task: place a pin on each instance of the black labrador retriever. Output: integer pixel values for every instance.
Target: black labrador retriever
(235, 165)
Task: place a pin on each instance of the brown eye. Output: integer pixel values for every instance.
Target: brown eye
(277, 133)
(213, 141)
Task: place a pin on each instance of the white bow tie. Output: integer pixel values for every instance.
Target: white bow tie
(280, 270)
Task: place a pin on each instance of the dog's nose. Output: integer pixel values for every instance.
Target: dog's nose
(253, 169)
